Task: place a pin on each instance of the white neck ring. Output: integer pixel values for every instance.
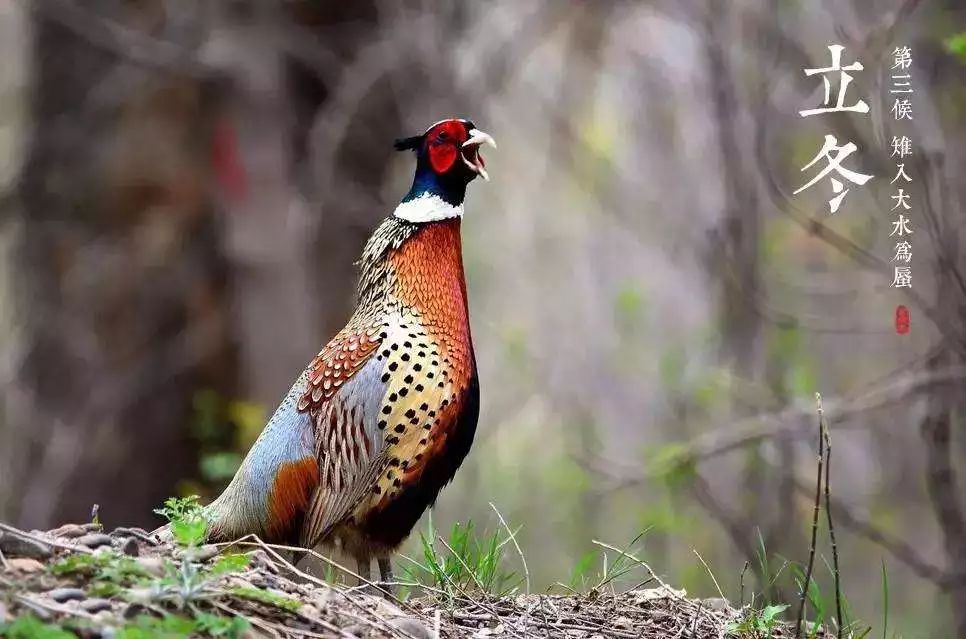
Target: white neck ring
(427, 207)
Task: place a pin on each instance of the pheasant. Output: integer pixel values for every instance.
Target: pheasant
(384, 415)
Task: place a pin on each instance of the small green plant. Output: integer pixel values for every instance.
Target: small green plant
(215, 626)
(625, 563)
(178, 627)
(615, 563)
(111, 574)
(79, 564)
(180, 596)
(816, 599)
(29, 627)
(757, 624)
(186, 517)
(166, 627)
(109, 568)
(466, 562)
(823, 605)
(104, 589)
(231, 562)
(579, 574)
(183, 584)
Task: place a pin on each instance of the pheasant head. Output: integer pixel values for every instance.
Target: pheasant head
(447, 159)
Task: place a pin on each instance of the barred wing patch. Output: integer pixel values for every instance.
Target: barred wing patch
(349, 446)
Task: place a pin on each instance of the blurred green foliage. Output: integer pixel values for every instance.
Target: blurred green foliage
(956, 45)
(757, 624)
(30, 627)
(224, 429)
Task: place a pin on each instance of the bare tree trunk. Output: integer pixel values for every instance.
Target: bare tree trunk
(267, 222)
(735, 263)
(945, 406)
(310, 161)
(736, 241)
(121, 292)
(943, 487)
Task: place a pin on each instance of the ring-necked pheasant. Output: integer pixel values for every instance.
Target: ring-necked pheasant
(384, 415)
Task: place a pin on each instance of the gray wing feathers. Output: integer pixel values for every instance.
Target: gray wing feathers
(348, 447)
(241, 508)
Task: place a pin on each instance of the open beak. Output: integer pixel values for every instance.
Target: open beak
(471, 154)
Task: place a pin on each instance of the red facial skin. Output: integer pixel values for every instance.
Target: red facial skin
(443, 143)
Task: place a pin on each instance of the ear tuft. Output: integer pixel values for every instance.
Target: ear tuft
(408, 144)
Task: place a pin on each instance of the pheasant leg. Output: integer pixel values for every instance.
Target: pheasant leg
(386, 576)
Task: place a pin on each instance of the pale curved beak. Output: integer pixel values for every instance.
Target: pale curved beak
(475, 161)
(478, 137)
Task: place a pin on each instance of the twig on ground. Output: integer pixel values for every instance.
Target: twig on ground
(697, 615)
(479, 602)
(143, 535)
(741, 584)
(46, 607)
(259, 623)
(271, 549)
(565, 587)
(42, 540)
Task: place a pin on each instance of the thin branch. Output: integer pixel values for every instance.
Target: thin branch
(711, 574)
(741, 584)
(902, 551)
(784, 423)
(815, 510)
(828, 513)
(115, 37)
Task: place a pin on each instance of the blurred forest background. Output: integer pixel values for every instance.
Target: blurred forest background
(186, 185)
